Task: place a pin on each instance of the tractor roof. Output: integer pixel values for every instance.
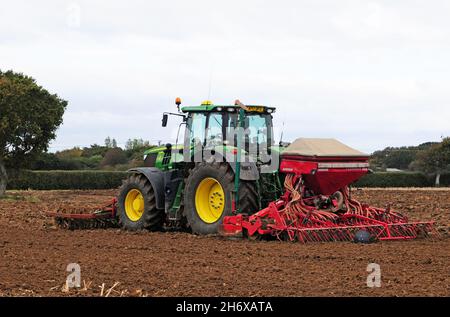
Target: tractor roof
(208, 106)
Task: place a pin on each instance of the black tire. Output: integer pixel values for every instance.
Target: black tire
(152, 218)
(221, 172)
(248, 197)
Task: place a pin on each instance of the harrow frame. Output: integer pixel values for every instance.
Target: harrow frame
(102, 217)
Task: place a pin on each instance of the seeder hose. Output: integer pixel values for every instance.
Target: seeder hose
(298, 211)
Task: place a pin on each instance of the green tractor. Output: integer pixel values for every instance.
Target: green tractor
(226, 178)
(227, 164)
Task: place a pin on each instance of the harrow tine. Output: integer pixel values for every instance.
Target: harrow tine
(342, 234)
(101, 218)
(318, 235)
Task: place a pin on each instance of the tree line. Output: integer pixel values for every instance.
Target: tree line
(108, 156)
(430, 158)
(30, 116)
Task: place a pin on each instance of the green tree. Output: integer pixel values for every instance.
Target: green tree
(46, 161)
(72, 153)
(435, 160)
(29, 117)
(136, 144)
(114, 157)
(397, 157)
(134, 149)
(108, 142)
(94, 150)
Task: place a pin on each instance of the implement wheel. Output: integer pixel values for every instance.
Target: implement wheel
(137, 205)
(208, 199)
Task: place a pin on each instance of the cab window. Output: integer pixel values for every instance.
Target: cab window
(197, 129)
(214, 133)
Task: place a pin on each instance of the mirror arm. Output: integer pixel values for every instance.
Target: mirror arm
(175, 114)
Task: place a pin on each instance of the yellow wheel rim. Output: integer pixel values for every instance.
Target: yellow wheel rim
(134, 205)
(209, 200)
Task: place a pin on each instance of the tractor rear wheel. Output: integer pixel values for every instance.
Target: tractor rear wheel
(208, 199)
(137, 205)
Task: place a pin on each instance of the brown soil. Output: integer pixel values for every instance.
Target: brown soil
(35, 254)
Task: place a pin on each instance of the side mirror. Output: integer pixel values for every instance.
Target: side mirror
(164, 119)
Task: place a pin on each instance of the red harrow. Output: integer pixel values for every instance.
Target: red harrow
(102, 217)
(317, 206)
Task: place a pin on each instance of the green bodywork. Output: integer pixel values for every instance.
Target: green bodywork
(163, 165)
(269, 185)
(161, 162)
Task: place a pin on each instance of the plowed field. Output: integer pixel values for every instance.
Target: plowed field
(35, 254)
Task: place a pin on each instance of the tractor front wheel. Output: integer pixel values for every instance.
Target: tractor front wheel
(137, 205)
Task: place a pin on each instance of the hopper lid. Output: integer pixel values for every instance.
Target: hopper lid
(321, 148)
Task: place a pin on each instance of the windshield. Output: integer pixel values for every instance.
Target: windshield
(208, 130)
(257, 127)
(258, 135)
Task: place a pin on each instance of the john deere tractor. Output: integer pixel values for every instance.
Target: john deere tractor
(225, 178)
(227, 164)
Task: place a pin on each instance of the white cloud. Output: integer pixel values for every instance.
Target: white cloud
(372, 73)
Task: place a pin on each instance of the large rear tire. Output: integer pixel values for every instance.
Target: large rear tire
(137, 205)
(208, 198)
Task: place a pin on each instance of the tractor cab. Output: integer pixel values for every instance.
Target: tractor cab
(219, 131)
(212, 129)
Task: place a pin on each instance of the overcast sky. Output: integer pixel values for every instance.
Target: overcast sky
(369, 73)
